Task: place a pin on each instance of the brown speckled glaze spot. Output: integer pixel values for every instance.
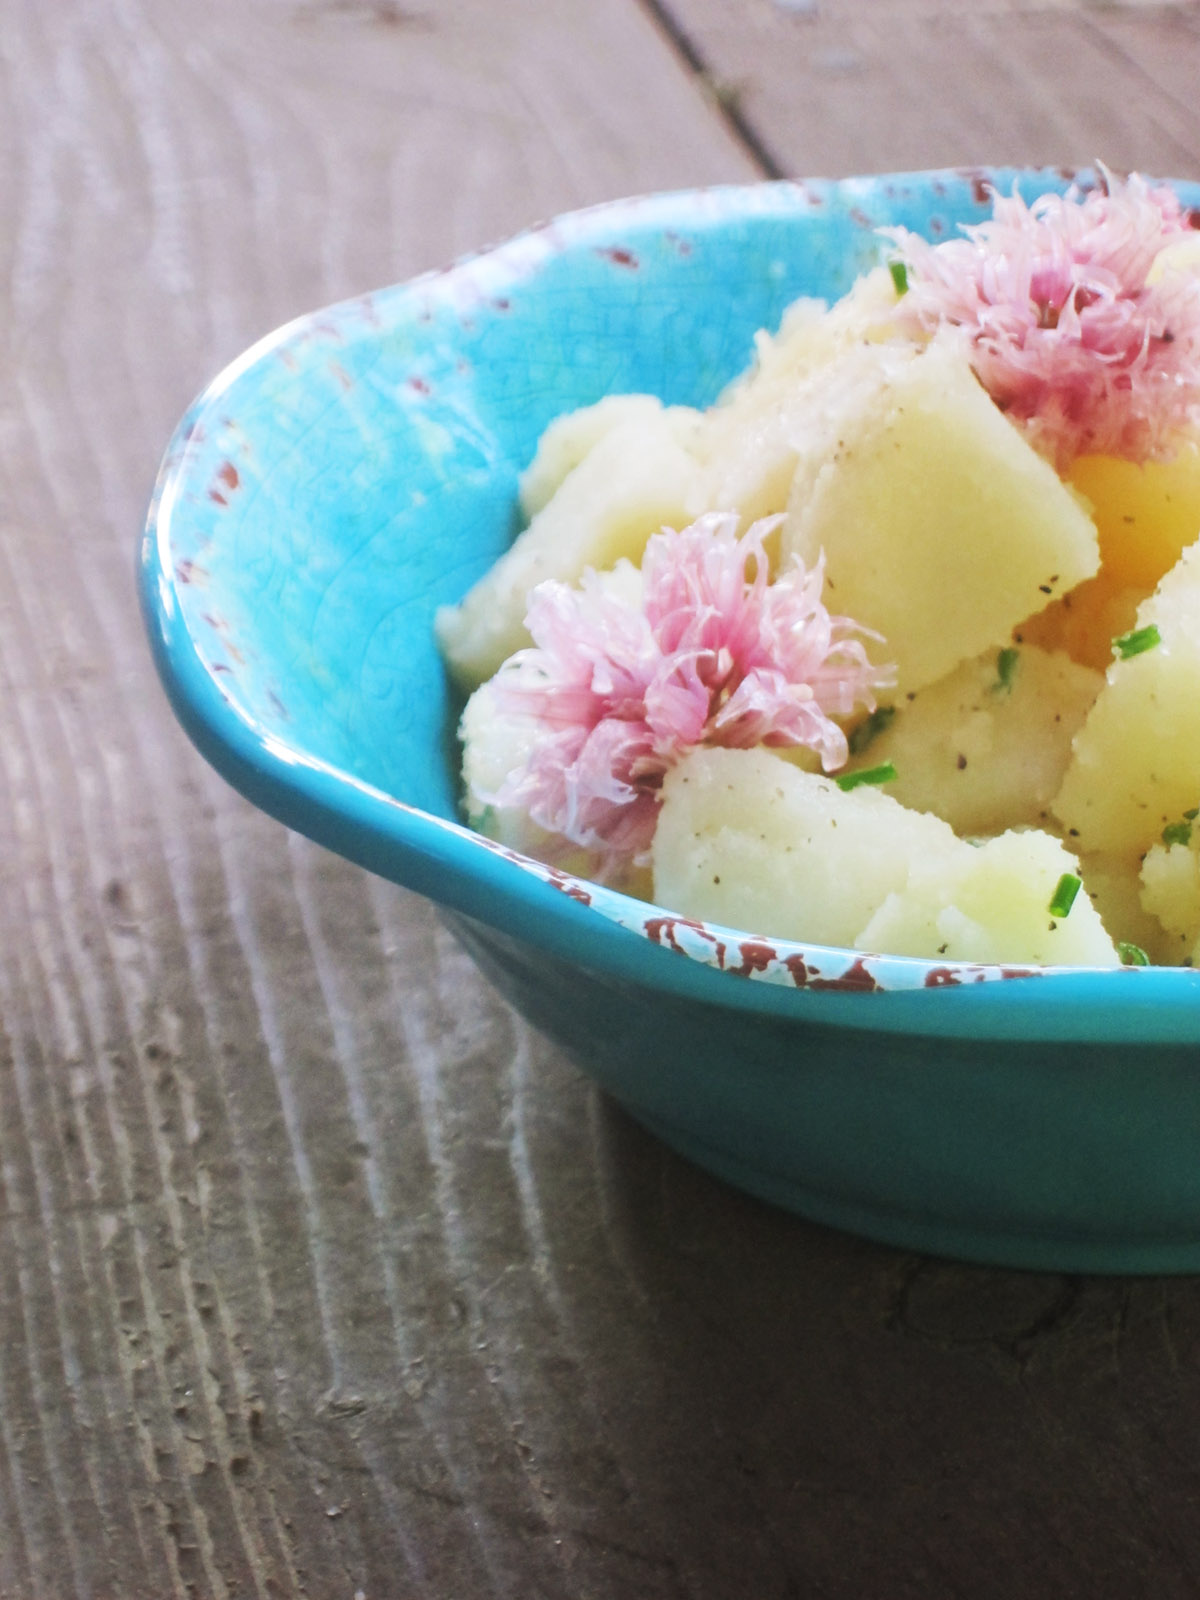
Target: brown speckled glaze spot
(857, 977)
(618, 256)
(941, 978)
(981, 189)
(756, 956)
(660, 928)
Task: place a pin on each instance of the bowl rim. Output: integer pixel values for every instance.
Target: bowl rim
(602, 930)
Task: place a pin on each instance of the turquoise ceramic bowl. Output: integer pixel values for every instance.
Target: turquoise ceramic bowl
(358, 468)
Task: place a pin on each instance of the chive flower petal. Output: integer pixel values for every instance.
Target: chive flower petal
(613, 694)
(1072, 330)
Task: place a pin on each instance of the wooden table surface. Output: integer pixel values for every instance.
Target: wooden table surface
(321, 1274)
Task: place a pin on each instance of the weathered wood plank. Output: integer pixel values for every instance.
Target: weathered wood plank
(836, 88)
(235, 1356)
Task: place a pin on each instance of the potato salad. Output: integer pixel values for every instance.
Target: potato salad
(897, 646)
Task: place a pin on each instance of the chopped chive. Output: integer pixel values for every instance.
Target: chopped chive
(1177, 833)
(1192, 814)
(899, 274)
(1132, 955)
(1137, 642)
(884, 773)
(1063, 898)
(1006, 669)
(869, 730)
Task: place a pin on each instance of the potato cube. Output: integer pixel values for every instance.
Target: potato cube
(985, 748)
(990, 903)
(1114, 887)
(576, 434)
(752, 842)
(750, 441)
(1146, 516)
(942, 528)
(1170, 883)
(1136, 761)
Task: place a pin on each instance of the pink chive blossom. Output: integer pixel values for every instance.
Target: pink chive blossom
(1068, 336)
(714, 655)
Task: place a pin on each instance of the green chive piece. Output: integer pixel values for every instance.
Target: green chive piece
(1192, 814)
(1063, 898)
(868, 731)
(1177, 833)
(873, 775)
(1137, 642)
(1132, 955)
(899, 274)
(1006, 669)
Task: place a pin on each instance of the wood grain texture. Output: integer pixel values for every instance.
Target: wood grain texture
(319, 1273)
(841, 87)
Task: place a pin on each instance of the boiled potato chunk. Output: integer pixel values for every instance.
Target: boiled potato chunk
(1146, 516)
(750, 441)
(1084, 623)
(571, 437)
(942, 528)
(752, 842)
(985, 748)
(990, 903)
(1171, 894)
(634, 480)
(1114, 887)
(1136, 761)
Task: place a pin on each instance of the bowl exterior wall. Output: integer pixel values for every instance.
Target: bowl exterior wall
(1049, 1156)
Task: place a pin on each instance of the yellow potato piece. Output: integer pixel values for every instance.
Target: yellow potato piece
(985, 748)
(1084, 623)
(1146, 516)
(573, 436)
(942, 528)
(1136, 761)
(751, 439)
(752, 842)
(991, 904)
